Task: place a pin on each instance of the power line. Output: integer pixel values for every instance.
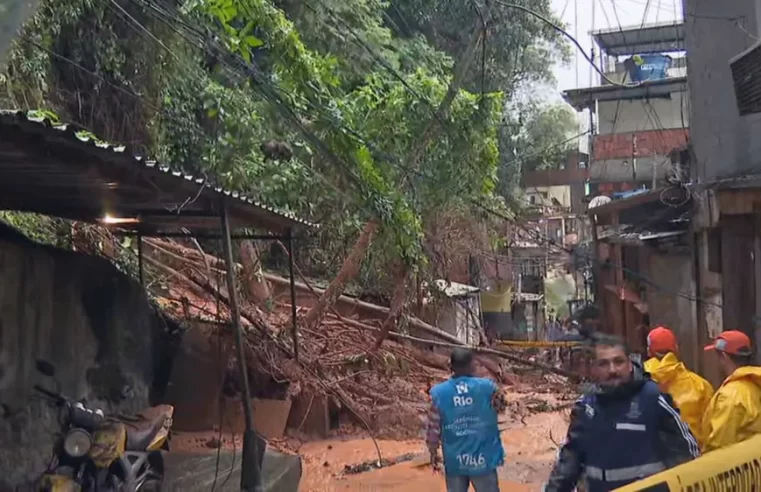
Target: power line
(593, 259)
(570, 37)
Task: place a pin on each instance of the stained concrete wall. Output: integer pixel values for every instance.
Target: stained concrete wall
(81, 314)
(640, 115)
(725, 143)
(672, 273)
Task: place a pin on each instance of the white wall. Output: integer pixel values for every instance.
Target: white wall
(560, 193)
(638, 115)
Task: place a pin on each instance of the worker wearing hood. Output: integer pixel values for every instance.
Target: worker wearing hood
(690, 392)
(734, 413)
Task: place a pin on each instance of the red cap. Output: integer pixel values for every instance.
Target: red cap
(731, 342)
(661, 340)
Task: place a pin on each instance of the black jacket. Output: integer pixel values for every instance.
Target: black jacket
(675, 447)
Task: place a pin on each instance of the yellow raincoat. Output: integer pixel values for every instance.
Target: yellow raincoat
(690, 392)
(734, 413)
(651, 364)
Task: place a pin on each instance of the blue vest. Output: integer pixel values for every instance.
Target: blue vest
(469, 432)
(620, 439)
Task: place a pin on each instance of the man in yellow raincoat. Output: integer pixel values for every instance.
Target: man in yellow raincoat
(690, 392)
(734, 413)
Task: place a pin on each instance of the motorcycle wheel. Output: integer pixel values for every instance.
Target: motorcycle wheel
(119, 478)
(152, 485)
(154, 482)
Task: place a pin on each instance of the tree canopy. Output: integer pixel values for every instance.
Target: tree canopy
(314, 106)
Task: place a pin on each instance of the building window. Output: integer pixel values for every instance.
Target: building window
(532, 199)
(582, 165)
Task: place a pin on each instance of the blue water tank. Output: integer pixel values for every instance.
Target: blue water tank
(648, 67)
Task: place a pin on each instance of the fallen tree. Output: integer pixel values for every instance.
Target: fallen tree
(337, 357)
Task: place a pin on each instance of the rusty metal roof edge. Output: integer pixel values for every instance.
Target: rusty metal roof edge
(13, 117)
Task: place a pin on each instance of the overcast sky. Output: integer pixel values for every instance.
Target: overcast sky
(582, 16)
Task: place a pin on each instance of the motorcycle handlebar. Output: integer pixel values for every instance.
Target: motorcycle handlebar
(77, 414)
(54, 396)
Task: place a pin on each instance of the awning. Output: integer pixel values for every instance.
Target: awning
(663, 37)
(53, 169)
(581, 99)
(639, 238)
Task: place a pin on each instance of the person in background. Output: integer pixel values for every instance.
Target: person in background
(585, 323)
(622, 430)
(690, 392)
(589, 320)
(463, 419)
(554, 332)
(734, 413)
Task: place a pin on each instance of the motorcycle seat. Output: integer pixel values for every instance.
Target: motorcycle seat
(141, 433)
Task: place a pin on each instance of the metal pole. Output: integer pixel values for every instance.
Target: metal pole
(250, 477)
(294, 327)
(140, 258)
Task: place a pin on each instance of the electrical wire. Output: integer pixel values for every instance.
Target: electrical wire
(594, 260)
(570, 37)
(278, 102)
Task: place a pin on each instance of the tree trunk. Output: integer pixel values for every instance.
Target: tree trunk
(348, 271)
(398, 301)
(253, 276)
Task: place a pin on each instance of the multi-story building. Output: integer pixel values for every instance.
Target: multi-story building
(639, 110)
(724, 56)
(689, 253)
(639, 120)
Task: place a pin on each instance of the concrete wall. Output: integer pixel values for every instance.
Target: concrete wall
(672, 273)
(637, 115)
(543, 195)
(85, 317)
(715, 32)
(623, 170)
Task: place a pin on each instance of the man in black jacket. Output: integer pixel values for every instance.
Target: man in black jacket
(622, 430)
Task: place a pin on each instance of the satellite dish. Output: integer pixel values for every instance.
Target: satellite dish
(599, 200)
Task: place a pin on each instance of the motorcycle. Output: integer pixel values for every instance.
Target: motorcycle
(99, 453)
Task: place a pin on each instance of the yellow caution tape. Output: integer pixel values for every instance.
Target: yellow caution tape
(518, 343)
(736, 468)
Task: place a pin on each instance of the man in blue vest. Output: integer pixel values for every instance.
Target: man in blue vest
(463, 418)
(622, 430)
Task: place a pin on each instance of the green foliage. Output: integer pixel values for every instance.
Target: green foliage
(40, 228)
(148, 86)
(547, 136)
(520, 49)
(534, 136)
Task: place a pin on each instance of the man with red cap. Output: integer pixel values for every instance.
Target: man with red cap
(734, 413)
(690, 392)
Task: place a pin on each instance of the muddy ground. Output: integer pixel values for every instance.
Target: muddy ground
(533, 426)
(530, 442)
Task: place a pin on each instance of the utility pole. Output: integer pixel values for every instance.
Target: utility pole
(250, 474)
(634, 157)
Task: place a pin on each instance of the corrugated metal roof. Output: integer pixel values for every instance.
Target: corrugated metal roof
(662, 37)
(455, 289)
(54, 169)
(585, 97)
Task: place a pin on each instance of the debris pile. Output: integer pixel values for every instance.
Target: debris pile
(383, 391)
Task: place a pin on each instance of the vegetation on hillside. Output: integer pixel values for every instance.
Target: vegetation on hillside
(361, 115)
